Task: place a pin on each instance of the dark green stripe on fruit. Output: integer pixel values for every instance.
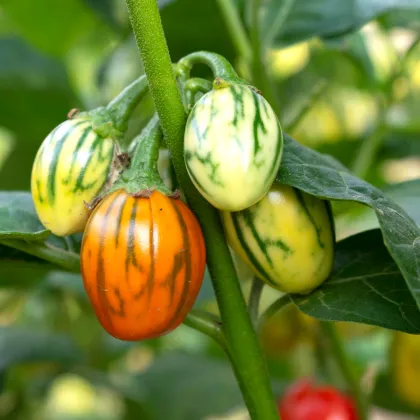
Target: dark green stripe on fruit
(97, 143)
(258, 122)
(105, 305)
(131, 253)
(238, 100)
(250, 255)
(206, 161)
(79, 144)
(184, 258)
(277, 157)
(305, 208)
(248, 218)
(52, 170)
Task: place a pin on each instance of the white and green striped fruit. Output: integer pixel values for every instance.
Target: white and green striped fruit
(287, 239)
(233, 145)
(71, 168)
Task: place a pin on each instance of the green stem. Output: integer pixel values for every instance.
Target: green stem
(220, 67)
(122, 106)
(369, 148)
(254, 299)
(345, 365)
(143, 176)
(206, 323)
(316, 92)
(236, 29)
(65, 259)
(259, 76)
(193, 86)
(275, 307)
(242, 344)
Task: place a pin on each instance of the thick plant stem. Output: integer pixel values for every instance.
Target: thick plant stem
(236, 29)
(346, 368)
(259, 75)
(241, 341)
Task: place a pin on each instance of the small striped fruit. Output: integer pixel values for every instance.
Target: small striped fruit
(287, 238)
(142, 263)
(232, 146)
(71, 168)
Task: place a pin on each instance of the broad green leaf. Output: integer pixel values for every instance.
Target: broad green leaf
(18, 219)
(18, 345)
(406, 194)
(290, 21)
(21, 229)
(324, 177)
(365, 286)
(50, 25)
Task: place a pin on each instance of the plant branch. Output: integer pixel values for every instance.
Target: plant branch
(275, 307)
(242, 344)
(345, 365)
(206, 323)
(236, 29)
(259, 76)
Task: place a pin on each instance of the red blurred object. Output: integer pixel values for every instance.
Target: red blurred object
(305, 401)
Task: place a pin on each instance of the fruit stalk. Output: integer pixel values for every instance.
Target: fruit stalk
(242, 343)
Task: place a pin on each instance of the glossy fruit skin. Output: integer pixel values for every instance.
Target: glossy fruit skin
(304, 401)
(287, 238)
(71, 168)
(405, 367)
(232, 147)
(143, 263)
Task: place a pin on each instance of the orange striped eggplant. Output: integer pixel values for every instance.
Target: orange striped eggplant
(142, 263)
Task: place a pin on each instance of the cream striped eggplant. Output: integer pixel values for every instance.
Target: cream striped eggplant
(287, 239)
(72, 166)
(233, 145)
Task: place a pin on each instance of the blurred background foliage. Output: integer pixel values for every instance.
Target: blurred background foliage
(346, 87)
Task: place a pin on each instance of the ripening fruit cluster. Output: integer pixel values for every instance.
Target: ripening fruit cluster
(143, 255)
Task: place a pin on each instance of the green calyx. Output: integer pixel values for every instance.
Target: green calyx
(142, 177)
(112, 121)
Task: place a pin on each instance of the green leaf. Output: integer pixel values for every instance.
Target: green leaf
(18, 219)
(362, 218)
(365, 286)
(290, 21)
(18, 345)
(21, 229)
(324, 177)
(51, 26)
